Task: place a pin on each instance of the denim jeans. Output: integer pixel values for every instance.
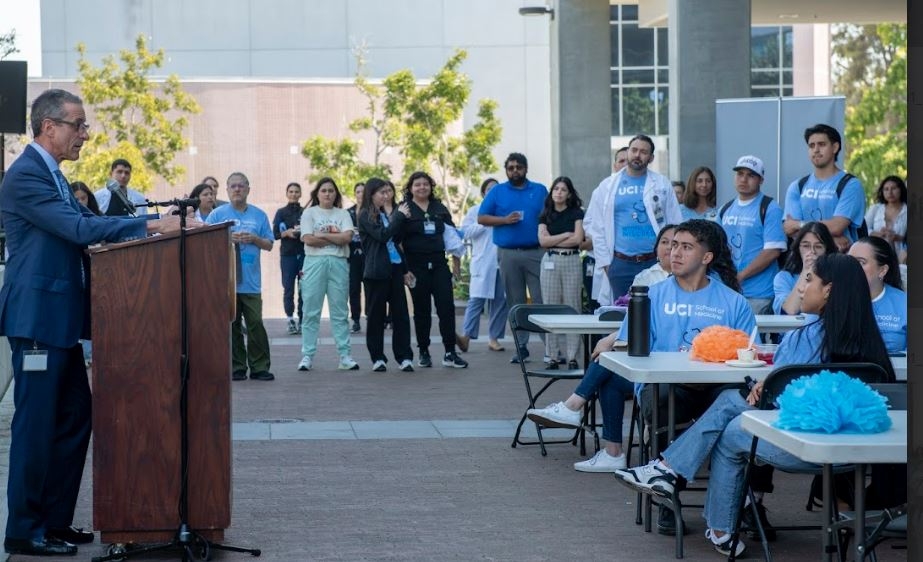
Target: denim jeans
(622, 273)
(496, 327)
(612, 390)
(718, 434)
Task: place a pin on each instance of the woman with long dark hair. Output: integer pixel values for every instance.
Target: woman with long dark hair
(560, 232)
(811, 241)
(699, 200)
(326, 230)
(889, 302)
(844, 332)
(205, 193)
(887, 218)
(381, 221)
(85, 197)
(424, 247)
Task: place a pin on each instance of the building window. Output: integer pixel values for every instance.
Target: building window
(771, 61)
(639, 68)
(640, 71)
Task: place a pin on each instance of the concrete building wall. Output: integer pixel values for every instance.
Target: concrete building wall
(297, 39)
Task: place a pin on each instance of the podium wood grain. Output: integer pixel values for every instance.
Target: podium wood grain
(135, 290)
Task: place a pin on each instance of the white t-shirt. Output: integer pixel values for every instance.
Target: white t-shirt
(316, 220)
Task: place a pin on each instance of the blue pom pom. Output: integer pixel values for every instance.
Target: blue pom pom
(832, 403)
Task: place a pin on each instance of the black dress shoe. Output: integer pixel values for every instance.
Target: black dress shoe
(46, 547)
(74, 535)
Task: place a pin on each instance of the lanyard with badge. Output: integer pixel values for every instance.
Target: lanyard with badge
(35, 359)
(429, 227)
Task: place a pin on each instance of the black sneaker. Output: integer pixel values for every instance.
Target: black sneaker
(425, 360)
(239, 376)
(356, 327)
(262, 376)
(524, 353)
(666, 522)
(451, 359)
(551, 366)
(573, 365)
(749, 524)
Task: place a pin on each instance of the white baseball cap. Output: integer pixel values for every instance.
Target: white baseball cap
(751, 163)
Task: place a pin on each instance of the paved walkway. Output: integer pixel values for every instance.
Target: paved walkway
(335, 465)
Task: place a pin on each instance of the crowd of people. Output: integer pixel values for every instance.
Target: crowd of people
(749, 256)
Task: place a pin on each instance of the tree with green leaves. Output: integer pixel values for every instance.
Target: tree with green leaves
(418, 121)
(135, 118)
(8, 44)
(871, 71)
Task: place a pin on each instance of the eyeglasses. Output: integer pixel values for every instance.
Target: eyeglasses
(807, 247)
(77, 125)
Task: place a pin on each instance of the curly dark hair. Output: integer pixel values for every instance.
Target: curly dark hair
(712, 236)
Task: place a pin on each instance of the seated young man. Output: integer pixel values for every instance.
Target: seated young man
(702, 292)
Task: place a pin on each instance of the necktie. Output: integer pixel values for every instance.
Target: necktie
(64, 189)
(62, 184)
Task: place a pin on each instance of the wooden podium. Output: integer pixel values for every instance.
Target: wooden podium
(135, 292)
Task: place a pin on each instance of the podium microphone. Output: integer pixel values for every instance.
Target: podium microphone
(113, 186)
(193, 202)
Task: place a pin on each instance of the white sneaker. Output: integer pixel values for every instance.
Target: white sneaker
(723, 544)
(407, 366)
(379, 366)
(305, 364)
(602, 462)
(653, 476)
(347, 364)
(555, 415)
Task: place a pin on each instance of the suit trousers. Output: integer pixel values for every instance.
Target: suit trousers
(254, 352)
(49, 438)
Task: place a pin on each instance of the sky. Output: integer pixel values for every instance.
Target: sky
(25, 17)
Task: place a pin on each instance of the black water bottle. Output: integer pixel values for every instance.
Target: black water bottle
(639, 322)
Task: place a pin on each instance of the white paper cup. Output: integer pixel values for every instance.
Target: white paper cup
(747, 355)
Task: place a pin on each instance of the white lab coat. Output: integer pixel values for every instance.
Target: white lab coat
(483, 256)
(662, 209)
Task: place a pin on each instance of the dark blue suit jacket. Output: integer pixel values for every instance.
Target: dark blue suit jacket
(44, 297)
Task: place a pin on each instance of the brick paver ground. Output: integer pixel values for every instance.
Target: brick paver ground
(433, 498)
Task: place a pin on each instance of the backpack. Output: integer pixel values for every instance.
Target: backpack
(764, 204)
(863, 229)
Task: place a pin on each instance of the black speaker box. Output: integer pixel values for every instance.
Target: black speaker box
(13, 96)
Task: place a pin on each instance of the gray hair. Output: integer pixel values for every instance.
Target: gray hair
(240, 175)
(50, 105)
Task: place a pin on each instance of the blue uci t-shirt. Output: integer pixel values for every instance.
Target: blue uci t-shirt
(890, 309)
(252, 220)
(782, 286)
(502, 200)
(817, 201)
(800, 346)
(709, 214)
(633, 231)
(677, 315)
(749, 235)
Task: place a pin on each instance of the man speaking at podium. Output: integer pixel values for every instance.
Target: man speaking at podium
(44, 311)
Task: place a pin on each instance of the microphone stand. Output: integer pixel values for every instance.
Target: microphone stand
(194, 546)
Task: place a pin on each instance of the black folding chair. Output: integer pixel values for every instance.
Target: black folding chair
(773, 387)
(519, 322)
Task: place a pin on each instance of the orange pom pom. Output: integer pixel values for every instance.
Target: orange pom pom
(718, 344)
